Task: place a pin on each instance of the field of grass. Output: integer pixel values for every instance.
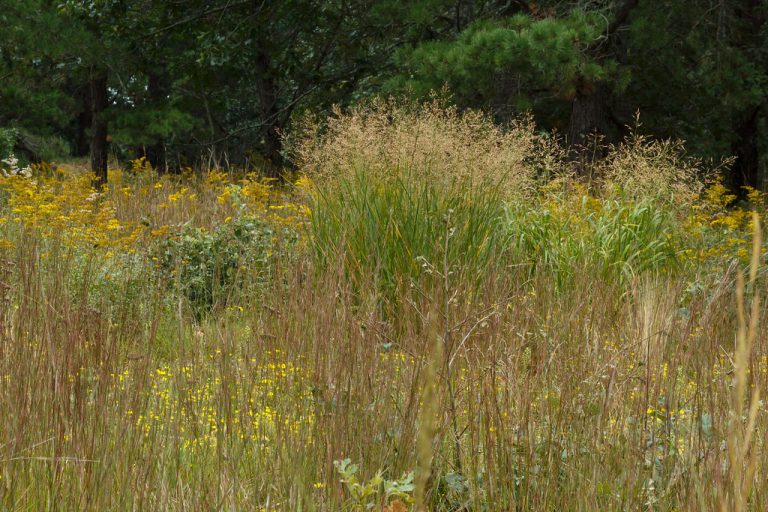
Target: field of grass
(436, 314)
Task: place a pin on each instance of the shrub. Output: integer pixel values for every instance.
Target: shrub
(53, 148)
(207, 268)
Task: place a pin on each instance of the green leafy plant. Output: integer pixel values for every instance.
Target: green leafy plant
(207, 267)
(7, 142)
(376, 492)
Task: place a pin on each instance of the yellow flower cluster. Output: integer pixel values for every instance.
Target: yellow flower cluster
(262, 197)
(571, 204)
(720, 228)
(68, 209)
(139, 204)
(269, 399)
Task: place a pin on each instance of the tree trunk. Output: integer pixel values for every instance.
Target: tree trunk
(589, 111)
(269, 114)
(588, 124)
(83, 120)
(157, 91)
(99, 128)
(746, 168)
(745, 147)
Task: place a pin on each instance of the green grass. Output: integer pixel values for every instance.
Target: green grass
(391, 231)
(622, 240)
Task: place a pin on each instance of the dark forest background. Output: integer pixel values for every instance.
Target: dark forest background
(193, 82)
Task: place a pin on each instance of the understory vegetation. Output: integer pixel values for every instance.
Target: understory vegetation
(435, 313)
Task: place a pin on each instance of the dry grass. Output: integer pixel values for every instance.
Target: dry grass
(506, 389)
(640, 168)
(429, 141)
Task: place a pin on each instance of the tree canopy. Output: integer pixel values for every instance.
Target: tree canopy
(200, 81)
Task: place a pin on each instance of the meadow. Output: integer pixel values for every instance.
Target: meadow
(432, 313)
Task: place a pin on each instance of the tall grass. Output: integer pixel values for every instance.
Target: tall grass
(434, 143)
(562, 352)
(389, 231)
(619, 240)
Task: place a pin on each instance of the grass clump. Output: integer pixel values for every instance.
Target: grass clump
(391, 230)
(393, 182)
(430, 142)
(578, 233)
(643, 169)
